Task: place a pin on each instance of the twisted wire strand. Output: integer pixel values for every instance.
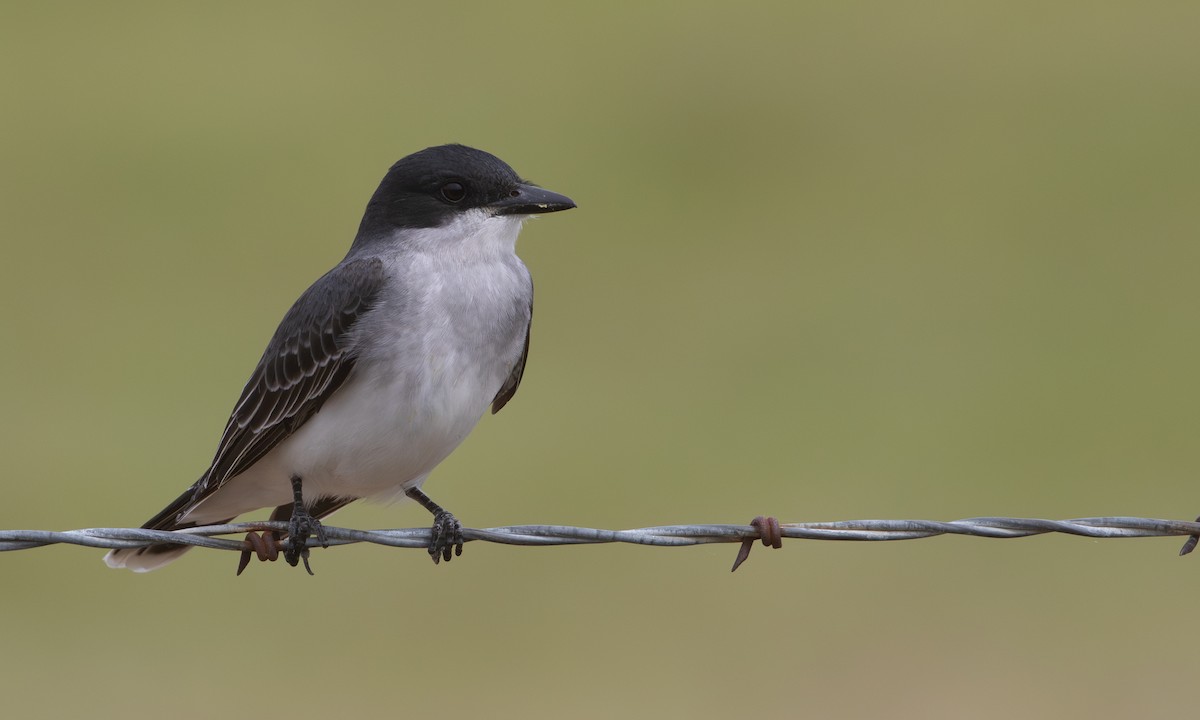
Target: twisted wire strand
(665, 535)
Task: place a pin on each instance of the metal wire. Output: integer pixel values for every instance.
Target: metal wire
(667, 535)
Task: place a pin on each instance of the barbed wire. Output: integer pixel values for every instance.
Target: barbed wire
(768, 530)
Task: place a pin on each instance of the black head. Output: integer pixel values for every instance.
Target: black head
(429, 188)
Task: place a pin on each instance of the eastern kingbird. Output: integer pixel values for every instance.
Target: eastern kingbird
(384, 365)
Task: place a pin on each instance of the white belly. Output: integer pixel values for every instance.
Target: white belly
(372, 439)
(433, 355)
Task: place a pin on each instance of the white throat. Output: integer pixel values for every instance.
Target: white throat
(473, 235)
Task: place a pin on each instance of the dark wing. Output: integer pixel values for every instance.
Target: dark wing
(305, 363)
(509, 388)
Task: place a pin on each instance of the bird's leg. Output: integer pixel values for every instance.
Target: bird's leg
(301, 526)
(446, 533)
(267, 545)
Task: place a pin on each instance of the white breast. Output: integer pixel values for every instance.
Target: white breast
(432, 355)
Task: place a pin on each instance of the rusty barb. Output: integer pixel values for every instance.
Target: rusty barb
(770, 533)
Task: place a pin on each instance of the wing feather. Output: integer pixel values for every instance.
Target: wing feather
(307, 360)
(509, 388)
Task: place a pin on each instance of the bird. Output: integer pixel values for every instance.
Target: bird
(383, 366)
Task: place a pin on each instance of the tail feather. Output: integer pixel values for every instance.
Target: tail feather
(152, 557)
(144, 559)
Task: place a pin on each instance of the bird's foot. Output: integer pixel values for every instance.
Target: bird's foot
(301, 527)
(770, 533)
(446, 532)
(445, 535)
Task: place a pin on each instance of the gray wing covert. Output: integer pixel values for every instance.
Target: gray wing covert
(509, 388)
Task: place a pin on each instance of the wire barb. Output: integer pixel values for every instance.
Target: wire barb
(1190, 545)
(770, 531)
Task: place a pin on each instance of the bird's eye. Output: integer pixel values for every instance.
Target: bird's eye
(453, 192)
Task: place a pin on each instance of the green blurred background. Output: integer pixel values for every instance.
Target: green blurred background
(831, 261)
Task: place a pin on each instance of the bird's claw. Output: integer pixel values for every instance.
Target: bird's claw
(445, 536)
(266, 547)
(301, 527)
(768, 530)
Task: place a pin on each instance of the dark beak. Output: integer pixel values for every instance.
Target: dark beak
(531, 200)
